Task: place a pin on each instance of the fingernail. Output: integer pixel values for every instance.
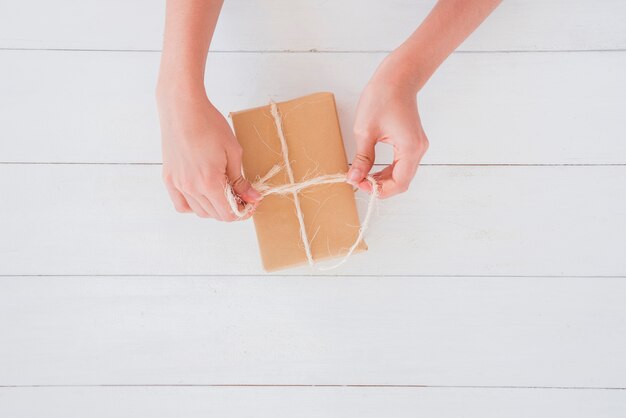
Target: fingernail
(354, 176)
(253, 195)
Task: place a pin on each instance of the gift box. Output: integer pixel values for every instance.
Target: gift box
(322, 215)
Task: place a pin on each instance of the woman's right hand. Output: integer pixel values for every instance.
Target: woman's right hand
(200, 155)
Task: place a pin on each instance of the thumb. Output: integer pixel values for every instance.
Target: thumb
(363, 160)
(240, 185)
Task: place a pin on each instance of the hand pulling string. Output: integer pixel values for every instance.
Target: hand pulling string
(294, 188)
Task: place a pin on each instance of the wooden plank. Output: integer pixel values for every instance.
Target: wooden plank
(351, 25)
(556, 332)
(479, 109)
(484, 220)
(244, 402)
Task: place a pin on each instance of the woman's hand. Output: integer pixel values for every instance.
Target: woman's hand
(387, 112)
(200, 155)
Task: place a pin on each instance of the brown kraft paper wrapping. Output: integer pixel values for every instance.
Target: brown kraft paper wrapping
(313, 137)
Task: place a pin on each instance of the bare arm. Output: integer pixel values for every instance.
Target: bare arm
(189, 27)
(200, 152)
(387, 110)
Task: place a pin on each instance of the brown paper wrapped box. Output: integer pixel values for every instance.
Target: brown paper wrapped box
(313, 137)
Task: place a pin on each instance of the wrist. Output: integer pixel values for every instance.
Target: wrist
(181, 69)
(401, 69)
(171, 85)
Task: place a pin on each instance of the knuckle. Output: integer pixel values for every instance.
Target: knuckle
(240, 185)
(166, 176)
(184, 184)
(384, 193)
(422, 146)
(403, 186)
(203, 215)
(416, 149)
(181, 206)
(213, 180)
(196, 186)
(229, 218)
(188, 187)
(213, 188)
(199, 184)
(364, 158)
(238, 182)
(362, 132)
(224, 217)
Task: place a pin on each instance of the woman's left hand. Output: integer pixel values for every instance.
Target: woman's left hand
(387, 112)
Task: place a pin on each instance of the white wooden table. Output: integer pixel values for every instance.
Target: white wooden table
(502, 295)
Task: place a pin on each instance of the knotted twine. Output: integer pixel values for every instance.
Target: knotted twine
(294, 188)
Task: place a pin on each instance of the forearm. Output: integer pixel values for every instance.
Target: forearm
(444, 29)
(189, 27)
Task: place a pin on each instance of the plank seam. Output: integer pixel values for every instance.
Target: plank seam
(304, 275)
(234, 385)
(320, 51)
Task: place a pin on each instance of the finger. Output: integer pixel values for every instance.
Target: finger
(379, 177)
(240, 185)
(366, 186)
(219, 204)
(217, 196)
(180, 203)
(364, 158)
(222, 206)
(396, 178)
(208, 206)
(198, 208)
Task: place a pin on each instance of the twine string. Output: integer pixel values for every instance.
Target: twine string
(278, 121)
(293, 188)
